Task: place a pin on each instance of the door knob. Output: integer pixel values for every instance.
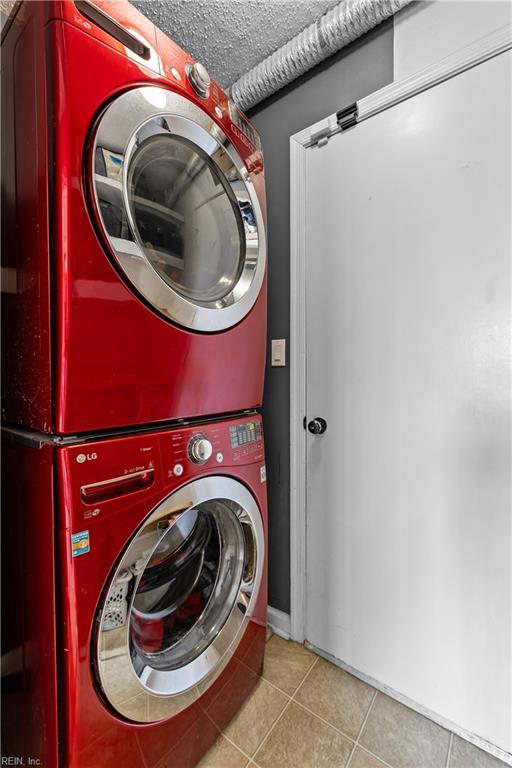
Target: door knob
(317, 426)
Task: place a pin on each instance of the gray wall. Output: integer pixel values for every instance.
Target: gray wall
(351, 74)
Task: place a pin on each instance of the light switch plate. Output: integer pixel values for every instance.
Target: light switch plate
(278, 352)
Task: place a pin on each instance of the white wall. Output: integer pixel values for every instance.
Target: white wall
(425, 32)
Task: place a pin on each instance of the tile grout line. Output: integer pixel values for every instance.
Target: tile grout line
(351, 755)
(354, 742)
(272, 685)
(372, 754)
(303, 680)
(223, 735)
(228, 682)
(250, 758)
(235, 746)
(281, 690)
(290, 699)
(449, 755)
(265, 738)
(365, 719)
(319, 717)
(292, 695)
(372, 702)
(325, 722)
(313, 665)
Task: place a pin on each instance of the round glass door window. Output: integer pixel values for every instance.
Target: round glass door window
(179, 209)
(178, 603)
(186, 218)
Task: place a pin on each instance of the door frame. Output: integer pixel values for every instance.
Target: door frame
(317, 135)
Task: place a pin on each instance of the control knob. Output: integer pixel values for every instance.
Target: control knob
(199, 79)
(199, 449)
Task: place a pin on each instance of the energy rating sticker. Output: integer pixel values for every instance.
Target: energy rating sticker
(80, 543)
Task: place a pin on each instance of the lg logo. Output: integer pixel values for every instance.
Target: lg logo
(86, 457)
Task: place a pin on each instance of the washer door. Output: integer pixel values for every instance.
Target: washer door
(178, 209)
(180, 599)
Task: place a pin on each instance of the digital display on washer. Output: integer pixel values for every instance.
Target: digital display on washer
(242, 434)
(244, 125)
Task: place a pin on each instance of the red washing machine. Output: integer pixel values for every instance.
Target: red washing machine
(142, 614)
(134, 255)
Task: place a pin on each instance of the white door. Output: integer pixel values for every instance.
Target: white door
(408, 361)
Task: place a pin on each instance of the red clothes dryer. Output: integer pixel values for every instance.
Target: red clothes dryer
(142, 632)
(134, 256)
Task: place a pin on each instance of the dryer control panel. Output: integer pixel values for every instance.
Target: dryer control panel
(123, 28)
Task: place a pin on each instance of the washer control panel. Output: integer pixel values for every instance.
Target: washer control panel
(119, 471)
(231, 443)
(245, 433)
(199, 449)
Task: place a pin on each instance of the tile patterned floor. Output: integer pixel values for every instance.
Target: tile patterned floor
(307, 713)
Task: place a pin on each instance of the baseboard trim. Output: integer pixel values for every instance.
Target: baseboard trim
(279, 622)
(486, 746)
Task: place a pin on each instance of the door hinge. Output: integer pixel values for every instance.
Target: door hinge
(342, 120)
(347, 117)
(320, 138)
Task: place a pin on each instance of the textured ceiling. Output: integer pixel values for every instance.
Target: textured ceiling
(231, 36)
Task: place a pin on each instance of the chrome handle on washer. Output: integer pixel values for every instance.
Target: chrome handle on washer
(117, 486)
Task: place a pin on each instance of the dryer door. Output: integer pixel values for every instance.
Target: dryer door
(177, 604)
(178, 209)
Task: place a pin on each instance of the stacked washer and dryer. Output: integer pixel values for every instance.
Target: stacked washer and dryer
(134, 301)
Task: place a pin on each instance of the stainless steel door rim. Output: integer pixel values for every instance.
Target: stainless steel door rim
(146, 114)
(170, 678)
